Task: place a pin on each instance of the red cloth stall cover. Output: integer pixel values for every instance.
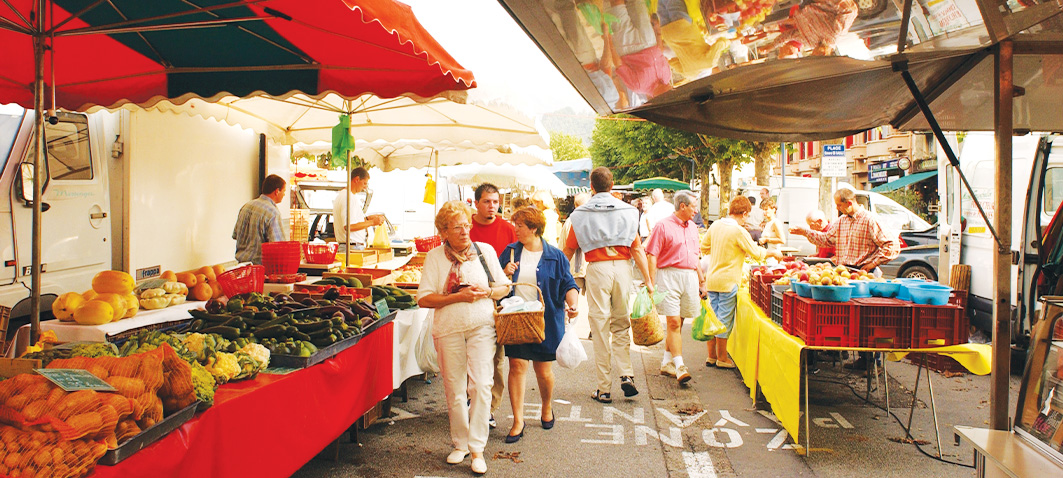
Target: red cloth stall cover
(274, 424)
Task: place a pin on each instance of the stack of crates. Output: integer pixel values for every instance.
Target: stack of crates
(788, 300)
(826, 323)
(938, 325)
(760, 290)
(776, 305)
(884, 323)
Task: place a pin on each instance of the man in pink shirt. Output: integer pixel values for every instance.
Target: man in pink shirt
(672, 252)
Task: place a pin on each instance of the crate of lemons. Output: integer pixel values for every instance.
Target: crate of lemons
(114, 295)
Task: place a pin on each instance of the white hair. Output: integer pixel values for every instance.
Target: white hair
(683, 197)
(815, 215)
(657, 195)
(580, 199)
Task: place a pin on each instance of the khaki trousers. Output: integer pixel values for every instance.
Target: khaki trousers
(608, 290)
(466, 376)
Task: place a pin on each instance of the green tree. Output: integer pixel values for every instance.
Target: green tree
(566, 147)
(636, 149)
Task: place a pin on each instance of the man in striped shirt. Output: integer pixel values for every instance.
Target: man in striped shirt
(858, 238)
(260, 221)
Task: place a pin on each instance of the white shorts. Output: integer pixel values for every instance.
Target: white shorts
(684, 298)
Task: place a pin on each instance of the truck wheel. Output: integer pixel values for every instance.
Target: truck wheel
(918, 272)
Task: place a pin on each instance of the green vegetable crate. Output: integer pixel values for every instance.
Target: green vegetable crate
(292, 361)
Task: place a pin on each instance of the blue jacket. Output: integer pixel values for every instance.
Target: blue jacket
(555, 280)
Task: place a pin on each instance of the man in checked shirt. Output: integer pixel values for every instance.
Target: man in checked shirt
(859, 239)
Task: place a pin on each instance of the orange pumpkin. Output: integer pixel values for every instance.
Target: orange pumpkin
(201, 291)
(215, 287)
(188, 279)
(201, 278)
(219, 270)
(170, 276)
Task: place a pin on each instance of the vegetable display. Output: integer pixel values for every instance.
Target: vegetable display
(395, 297)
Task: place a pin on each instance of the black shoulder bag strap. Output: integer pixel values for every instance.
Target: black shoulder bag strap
(483, 262)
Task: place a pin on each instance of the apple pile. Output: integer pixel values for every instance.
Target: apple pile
(821, 274)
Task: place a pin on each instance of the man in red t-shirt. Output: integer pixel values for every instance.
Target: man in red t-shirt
(488, 227)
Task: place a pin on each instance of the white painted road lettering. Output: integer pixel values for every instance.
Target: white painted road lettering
(616, 434)
(841, 420)
(638, 415)
(699, 464)
(733, 440)
(574, 415)
(726, 417)
(673, 439)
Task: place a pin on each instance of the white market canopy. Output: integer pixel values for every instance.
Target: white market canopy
(509, 177)
(421, 154)
(300, 118)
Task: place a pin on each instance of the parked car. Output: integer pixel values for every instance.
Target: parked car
(918, 258)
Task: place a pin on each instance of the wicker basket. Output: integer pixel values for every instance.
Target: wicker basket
(647, 330)
(517, 328)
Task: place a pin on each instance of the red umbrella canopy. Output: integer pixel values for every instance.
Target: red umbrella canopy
(107, 53)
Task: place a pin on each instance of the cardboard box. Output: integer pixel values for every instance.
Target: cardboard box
(11, 367)
(417, 259)
(360, 258)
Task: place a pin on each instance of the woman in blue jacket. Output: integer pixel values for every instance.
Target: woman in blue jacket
(532, 260)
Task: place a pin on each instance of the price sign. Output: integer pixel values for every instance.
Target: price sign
(833, 161)
(73, 379)
(279, 370)
(382, 307)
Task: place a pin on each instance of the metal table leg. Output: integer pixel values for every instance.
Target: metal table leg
(886, 382)
(934, 409)
(915, 397)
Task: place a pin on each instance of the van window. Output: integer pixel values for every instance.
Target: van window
(863, 201)
(1053, 194)
(67, 144)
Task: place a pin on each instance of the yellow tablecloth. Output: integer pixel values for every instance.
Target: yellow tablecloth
(769, 357)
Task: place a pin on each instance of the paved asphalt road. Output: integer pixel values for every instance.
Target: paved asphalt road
(707, 429)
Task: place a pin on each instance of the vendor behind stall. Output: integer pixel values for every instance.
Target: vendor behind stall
(259, 221)
(356, 232)
(859, 238)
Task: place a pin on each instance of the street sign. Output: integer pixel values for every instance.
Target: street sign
(833, 161)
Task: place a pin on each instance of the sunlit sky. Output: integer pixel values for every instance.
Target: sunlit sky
(508, 65)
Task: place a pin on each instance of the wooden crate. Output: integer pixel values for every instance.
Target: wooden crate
(383, 254)
(11, 367)
(365, 279)
(377, 276)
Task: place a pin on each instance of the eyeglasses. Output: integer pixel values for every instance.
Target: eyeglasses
(460, 228)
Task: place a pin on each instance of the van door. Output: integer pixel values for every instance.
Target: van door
(1045, 198)
(76, 226)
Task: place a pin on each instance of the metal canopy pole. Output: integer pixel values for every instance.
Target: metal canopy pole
(1002, 115)
(39, 46)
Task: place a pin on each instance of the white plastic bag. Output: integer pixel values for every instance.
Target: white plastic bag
(427, 359)
(570, 351)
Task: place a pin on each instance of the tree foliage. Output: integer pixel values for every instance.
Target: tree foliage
(567, 147)
(636, 149)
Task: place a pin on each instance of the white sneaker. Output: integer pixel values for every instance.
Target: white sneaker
(479, 466)
(668, 369)
(682, 374)
(457, 456)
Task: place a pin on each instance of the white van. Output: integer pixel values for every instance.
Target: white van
(1037, 192)
(140, 191)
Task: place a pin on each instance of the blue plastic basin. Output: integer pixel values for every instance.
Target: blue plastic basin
(832, 293)
(862, 289)
(903, 294)
(884, 289)
(929, 293)
(802, 289)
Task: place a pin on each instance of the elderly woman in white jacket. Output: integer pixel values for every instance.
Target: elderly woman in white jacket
(460, 280)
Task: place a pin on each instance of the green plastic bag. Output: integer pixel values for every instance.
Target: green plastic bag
(644, 303)
(706, 326)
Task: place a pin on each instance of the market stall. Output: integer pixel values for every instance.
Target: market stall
(770, 348)
(274, 424)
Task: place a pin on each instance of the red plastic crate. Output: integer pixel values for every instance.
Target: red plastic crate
(281, 257)
(938, 325)
(760, 291)
(884, 323)
(958, 297)
(788, 299)
(826, 323)
(937, 362)
(320, 253)
(242, 280)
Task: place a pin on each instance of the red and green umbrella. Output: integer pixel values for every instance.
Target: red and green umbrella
(77, 54)
(112, 52)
